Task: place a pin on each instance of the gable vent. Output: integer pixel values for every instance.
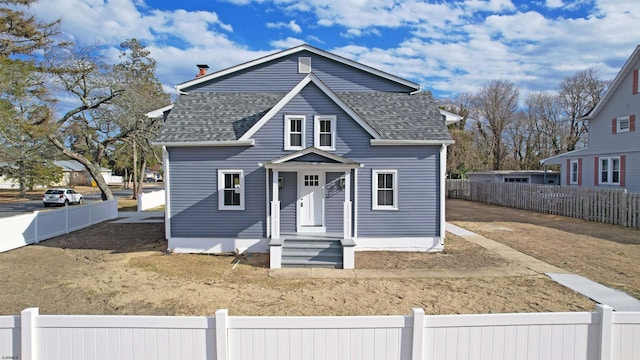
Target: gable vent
(304, 65)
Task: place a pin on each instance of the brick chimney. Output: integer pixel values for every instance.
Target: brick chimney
(203, 70)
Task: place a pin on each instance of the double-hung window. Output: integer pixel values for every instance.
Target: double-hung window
(230, 190)
(573, 172)
(294, 126)
(610, 170)
(384, 189)
(325, 132)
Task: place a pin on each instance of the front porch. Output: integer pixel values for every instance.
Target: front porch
(317, 184)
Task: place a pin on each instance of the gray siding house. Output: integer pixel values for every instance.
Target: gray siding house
(306, 155)
(612, 159)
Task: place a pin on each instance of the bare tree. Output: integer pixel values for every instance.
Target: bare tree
(578, 95)
(496, 103)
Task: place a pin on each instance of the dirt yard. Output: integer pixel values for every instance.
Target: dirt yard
(123, 269)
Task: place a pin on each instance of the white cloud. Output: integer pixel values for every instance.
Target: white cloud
(448, 46)
(291, 25)
(286, 43)
(554, 4)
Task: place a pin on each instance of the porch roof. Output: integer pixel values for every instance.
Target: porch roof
(311, 157)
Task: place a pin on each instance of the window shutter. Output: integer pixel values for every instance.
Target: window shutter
(579, 172)
(568, 171)
(614, 125)
(596, 173)
(632, 123)
(622, 170)
(635, 82)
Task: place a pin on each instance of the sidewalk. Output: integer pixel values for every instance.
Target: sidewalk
(139, 217)
(618, 300)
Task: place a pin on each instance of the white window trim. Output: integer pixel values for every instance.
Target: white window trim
(374, 189)
(316, 131)
(287, 131)
(221, 174)
(619, 120)
(609, 170)
(577, 172)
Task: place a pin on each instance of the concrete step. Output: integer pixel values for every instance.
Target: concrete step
(312, 253)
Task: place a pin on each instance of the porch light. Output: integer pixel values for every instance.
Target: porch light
(280, 183)
(342, 182)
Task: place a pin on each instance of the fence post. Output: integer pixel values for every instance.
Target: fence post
(36, 215)
(417, 343)
(221, 334)
(606, 324)
(28, 337)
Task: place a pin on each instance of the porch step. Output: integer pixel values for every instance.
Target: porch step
(312, 253)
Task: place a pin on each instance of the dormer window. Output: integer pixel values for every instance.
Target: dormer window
(325, 132)
(294, 126)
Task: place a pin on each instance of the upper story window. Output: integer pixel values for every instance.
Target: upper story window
(304, 65)
(325, 132)
(610, 170)
(230, 190)
(384, 189)
(623, 124)
(573, 172)
(294, 126)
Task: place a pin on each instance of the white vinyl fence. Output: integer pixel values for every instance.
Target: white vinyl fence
(21, 230)
(603, 334)
(150, 200)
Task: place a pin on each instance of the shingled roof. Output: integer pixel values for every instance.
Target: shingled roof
(211, 116)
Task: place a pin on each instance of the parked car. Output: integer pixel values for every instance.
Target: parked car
(61, 197)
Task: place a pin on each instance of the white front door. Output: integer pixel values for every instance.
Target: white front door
(310, 201)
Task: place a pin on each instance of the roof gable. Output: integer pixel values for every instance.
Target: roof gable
(311, 78)
(294, 50)
(627, 70)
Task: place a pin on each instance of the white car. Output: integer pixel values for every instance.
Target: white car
(61, 197)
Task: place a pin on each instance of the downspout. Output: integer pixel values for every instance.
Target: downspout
(167, 193)
(443, 172)
(267, 205)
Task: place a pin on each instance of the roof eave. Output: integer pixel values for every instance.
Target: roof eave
(615, 84)
(250, 142)
(388, 142)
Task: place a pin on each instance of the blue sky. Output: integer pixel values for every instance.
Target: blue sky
(448, 47)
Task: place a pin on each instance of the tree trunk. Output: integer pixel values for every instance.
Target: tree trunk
(134, 186)
(94, 169)
(142, 175)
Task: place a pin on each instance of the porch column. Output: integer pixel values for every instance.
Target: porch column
(275, 206)
(347, 205)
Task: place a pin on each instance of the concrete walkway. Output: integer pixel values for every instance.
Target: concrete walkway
(139, 217)
(529, 265)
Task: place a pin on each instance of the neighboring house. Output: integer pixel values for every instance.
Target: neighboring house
(612, 159)
(74, 173)
(517, 176)
(306, 155)
(153, 173)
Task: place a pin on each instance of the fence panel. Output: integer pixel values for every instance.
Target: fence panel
(385, 337)
(151, 200)
(10, 336)
(21, 230)
(609, 206)
(124, 337)
(603, 334)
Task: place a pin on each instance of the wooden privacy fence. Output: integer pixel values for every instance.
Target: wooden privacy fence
(603, 334)
(609, 206)
(21, 230)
